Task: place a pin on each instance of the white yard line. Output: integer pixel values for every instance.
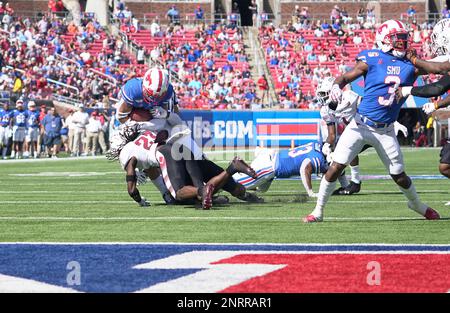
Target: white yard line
(195, 218)
(131, 201)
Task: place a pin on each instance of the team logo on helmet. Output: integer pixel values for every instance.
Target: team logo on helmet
(155, 84)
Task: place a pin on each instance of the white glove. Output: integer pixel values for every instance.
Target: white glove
(429, 107)
(406, 91)
(144, 203)
(158, 112)
(400, 128)
(141, 177)
(311, 194)
(336, 93)
(326, 149)
(330, 157)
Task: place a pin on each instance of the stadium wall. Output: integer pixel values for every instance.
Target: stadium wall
(22, 7)
(389, 9)
(141, 7)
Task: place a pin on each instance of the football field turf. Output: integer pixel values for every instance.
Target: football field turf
(86, 200)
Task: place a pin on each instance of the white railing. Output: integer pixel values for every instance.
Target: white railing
(77, 91)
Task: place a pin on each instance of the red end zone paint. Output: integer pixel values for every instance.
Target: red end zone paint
(286, 129)
(346, 273)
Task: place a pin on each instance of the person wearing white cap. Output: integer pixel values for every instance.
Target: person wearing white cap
(32, 131)
(19, 122)
(80, 119)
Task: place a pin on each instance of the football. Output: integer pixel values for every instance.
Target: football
(140, 115)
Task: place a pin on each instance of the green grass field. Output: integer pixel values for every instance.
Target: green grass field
(85, 200)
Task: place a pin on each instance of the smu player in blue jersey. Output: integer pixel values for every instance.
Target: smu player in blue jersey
(153, 92)
(5, 128)
(384, 70)
(19, 123)
(303, 160)
(32, 130)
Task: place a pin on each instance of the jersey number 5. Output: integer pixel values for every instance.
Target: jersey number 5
(391, 90)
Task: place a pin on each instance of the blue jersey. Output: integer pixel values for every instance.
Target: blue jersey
(131, 93)
(20, 118)
(33, 119)
(288, 162)
(385, 70)
(5, 117)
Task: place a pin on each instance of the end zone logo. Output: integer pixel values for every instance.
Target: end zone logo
(186, 268)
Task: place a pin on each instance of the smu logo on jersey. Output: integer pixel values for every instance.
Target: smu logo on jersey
(223, 268)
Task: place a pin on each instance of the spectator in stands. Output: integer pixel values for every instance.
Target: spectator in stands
(445, 12)
(411, 12)
(360, 16)
(357, 40)
(264, 88)
(254, 11)
(155, 29)
(370, 18)
(173, 15)
(52, 124)
(318, 32)
(420, 139)
(140, 55)
(199, 15)
(335, 13)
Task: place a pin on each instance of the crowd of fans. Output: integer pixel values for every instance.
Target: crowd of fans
(209, 62)
(51, 56)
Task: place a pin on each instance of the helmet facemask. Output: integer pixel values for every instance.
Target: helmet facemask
(399, 42)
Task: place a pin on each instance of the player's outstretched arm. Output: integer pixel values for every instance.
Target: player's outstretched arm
(428, 67)
(131, 180)
(306, 171)
(431, 90)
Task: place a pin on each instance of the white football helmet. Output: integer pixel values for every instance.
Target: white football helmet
(393, 36)
(155, 84)
(323, 90)
(440, 38)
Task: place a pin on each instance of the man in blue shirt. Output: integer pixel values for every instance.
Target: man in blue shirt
(173, 15)
(5, 128)
(19, 123)
(52, 125)
(199, 14)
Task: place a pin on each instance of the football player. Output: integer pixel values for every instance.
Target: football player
(19, 123)
(383, 70)
(146, 150)
(32, 130)
(5, 128)
(343, 112)
(440, 46)
(154, 92)
(303, 160)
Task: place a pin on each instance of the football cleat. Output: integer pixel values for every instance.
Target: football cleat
(312, 219)
(239, 166)
(338, 191)
(251, 197)
(168, 199)
(220, 200)
(431, 214)
(352, 188)
(207, 195)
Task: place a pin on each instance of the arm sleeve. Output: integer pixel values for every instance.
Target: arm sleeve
(433, 90)
(303, 173)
